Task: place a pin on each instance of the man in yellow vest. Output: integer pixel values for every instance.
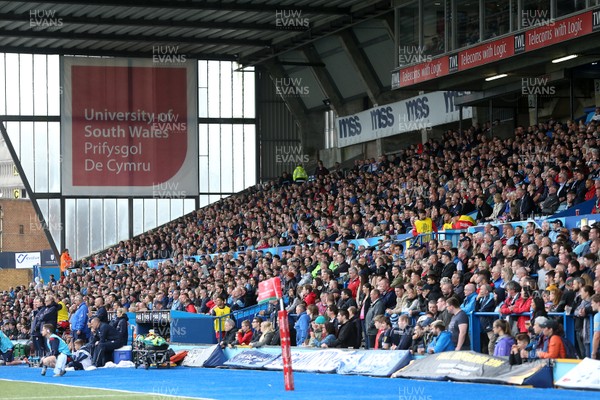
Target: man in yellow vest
(300, 175)
(220, 310)
(423, 224)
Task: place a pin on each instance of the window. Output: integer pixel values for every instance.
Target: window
(21, 229)
(467, 23)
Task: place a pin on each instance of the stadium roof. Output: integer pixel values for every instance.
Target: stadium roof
(247, 31)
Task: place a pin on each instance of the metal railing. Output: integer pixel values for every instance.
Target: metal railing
(240, 315)
(568, 323)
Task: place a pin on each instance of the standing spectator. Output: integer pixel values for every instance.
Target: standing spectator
(377, 308)
(459, 325)
(321, 171)
(79, 319)
(302, 324)
(582, 329)
(121, 324)
(66, 262)
(485, 303)
(505, 340)
(596, 338)
(36, 327)
(219, 310)
(101, 312)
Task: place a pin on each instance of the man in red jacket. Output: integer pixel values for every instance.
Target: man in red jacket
(244, 335)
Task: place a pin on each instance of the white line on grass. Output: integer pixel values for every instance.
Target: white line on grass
(77, 397)
(128, 392)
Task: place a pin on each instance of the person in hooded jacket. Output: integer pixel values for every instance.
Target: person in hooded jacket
(442, 339)
(121, 324)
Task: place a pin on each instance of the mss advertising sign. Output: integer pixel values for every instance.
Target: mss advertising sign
(129, 127)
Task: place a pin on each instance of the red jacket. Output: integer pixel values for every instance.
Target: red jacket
(353, 285)
(520, 305)
(190, 308)
(244, 338)
(310, 298)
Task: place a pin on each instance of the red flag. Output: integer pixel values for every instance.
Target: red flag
(286, 353)
(269, 290)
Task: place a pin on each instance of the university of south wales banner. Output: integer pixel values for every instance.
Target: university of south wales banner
(129, 127)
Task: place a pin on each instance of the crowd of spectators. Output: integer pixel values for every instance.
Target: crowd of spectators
(539, 170)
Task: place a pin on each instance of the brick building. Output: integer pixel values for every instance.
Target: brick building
(20, 229)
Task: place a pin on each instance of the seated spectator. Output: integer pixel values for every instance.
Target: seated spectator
(244, 335)
(229, 339)
(266, 335)
(328, 337)
(518, 351)
(442, 339)
(81, 358)
(556, 348)
(389, 338)
(106, 340)
(347, 332)
(418, 343)
(405, 331)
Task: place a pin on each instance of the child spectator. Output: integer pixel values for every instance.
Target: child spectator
(81, 359)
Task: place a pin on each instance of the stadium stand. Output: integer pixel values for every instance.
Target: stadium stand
(219, 250)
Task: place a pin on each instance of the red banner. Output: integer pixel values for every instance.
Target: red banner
(558, 31)
(129, 127)
(286, 352)
(119, 138)
(552, 32)
(486, 53)
(269, 290)
(424, 72)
